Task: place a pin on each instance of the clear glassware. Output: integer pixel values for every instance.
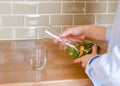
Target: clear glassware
(38, 57)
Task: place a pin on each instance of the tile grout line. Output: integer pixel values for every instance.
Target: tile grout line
(50, 19)
(95, 19)
(25, 21)
(61, 8)
(73, 19)
(14, 34)
(38, 26)
(11, 8)
(53, 1)
(37, 9)
(107, 7)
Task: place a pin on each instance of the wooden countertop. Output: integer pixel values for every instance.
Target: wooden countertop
(59, 70)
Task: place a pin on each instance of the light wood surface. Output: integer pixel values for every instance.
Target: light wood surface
(60, 70)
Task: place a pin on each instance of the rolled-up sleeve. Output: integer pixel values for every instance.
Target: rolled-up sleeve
(104, 70)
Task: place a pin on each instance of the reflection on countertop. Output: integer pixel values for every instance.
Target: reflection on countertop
(15, 69)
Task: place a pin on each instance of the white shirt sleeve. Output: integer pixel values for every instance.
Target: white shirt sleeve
(108, 34)
(104, 70)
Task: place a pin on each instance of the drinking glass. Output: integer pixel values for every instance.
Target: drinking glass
(38, 57)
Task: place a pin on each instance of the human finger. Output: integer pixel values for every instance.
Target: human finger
(56, 41)
(78, 60)
(62, 46)
(82, 37)
(94, 49)
(83, 65)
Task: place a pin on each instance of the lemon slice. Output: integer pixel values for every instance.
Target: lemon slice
(81, 50)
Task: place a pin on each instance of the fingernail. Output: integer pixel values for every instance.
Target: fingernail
(75, 61)
(95, 44)
(60, 35)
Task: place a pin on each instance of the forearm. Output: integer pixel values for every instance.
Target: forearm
(95, 32)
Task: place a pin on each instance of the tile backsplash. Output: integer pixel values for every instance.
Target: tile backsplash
(27, 19)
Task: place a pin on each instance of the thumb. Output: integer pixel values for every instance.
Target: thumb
(94, 49)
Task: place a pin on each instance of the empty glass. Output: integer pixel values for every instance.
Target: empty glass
(38, 57)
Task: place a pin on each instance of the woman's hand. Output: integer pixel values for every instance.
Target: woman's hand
(85, 59)
(74, 33)
(81, 32)
(71, 35)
